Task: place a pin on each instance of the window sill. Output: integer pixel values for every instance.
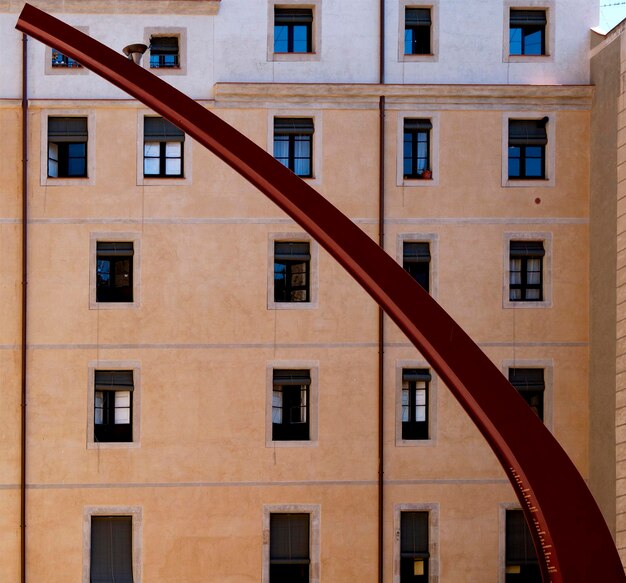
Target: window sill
(527, 59)
(431, 442)
(527, 182)
(508, 304)
(294, 57)
(292, 306)
(411, 58)
(273, 444)
(113, 305)
(113, 444)
(423, 182)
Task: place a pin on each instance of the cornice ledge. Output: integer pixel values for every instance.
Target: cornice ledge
(567, 95)
(193, 7)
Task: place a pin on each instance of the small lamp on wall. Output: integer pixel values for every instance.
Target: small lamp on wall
(134, 52)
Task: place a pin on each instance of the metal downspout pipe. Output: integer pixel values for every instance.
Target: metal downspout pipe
(381, 320)
(24, 304)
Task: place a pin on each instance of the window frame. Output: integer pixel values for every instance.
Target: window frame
(434, 118)
(103, 365)
(549, 32)
(50, 69)
(166, 31)
(90, 178)
(432, 403)
(136, 514)
(549, 179)
(433, 242)
(316, 30)
(292, 139)
(313, 401)
(546, 239)
(187, 150)
(313, 510)
(316, 142)
(313, 272)
(433, 537)
(433, 6)
(109, 237)
(548, 380)
(504, 507)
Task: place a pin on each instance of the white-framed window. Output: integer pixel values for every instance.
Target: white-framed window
(418, 31)
(292, 403)
(416, 403)
(291, 543)
(294, 30)
(114, 404)
(164, 153)
(528, 31)
(167, 50)
(115, 270)
(416, 542)
(292, 274)
(527, 269)
(528, 149)
(295, 139)
(112, 543)
(417, 253)
(68, 147)
(533, 378)
(417, 149)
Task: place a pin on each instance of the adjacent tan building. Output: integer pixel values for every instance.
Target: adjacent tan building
(202, 380)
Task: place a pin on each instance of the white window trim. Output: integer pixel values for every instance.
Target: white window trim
(88, 180)
(433, 537)
(313, 510)
(434, 31)
(50, 70)
(133, 365)
(433, 116)
(549, 152)
(546, 238)
(313, 367)
(432, 405)
(313, 273)
(433, 240)
(548, 378)
(135, 238)
(549, 7)
(135, 512)
(316, 142)
(316, 31)
(181, 33)
(160, 181)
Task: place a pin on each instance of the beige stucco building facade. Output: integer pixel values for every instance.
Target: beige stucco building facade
(206, 337)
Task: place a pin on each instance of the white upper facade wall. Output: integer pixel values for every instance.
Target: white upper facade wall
(470, 46)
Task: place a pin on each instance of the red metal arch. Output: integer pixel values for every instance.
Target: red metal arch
(573, 542)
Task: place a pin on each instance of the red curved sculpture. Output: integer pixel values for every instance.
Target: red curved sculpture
(572, 540)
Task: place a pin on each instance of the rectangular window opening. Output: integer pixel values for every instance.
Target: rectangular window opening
(163, 149)
(527, 148)
(293, 144)
(292, 270)
(111, 557)
(164, 52)
(113, 406)
(417, 31)
(526, 271)
(527, 32)
(415, 403)
(291, 398)
(289, 548)
(417, 163)
(414, 543)
(416, 260)
(67, 147)
(59, 60)
(114, 271)
(530, 384)
(521, 565)
(293, 30)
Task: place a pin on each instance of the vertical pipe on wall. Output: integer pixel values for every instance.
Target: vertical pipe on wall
(381, 320)
(24, 304)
